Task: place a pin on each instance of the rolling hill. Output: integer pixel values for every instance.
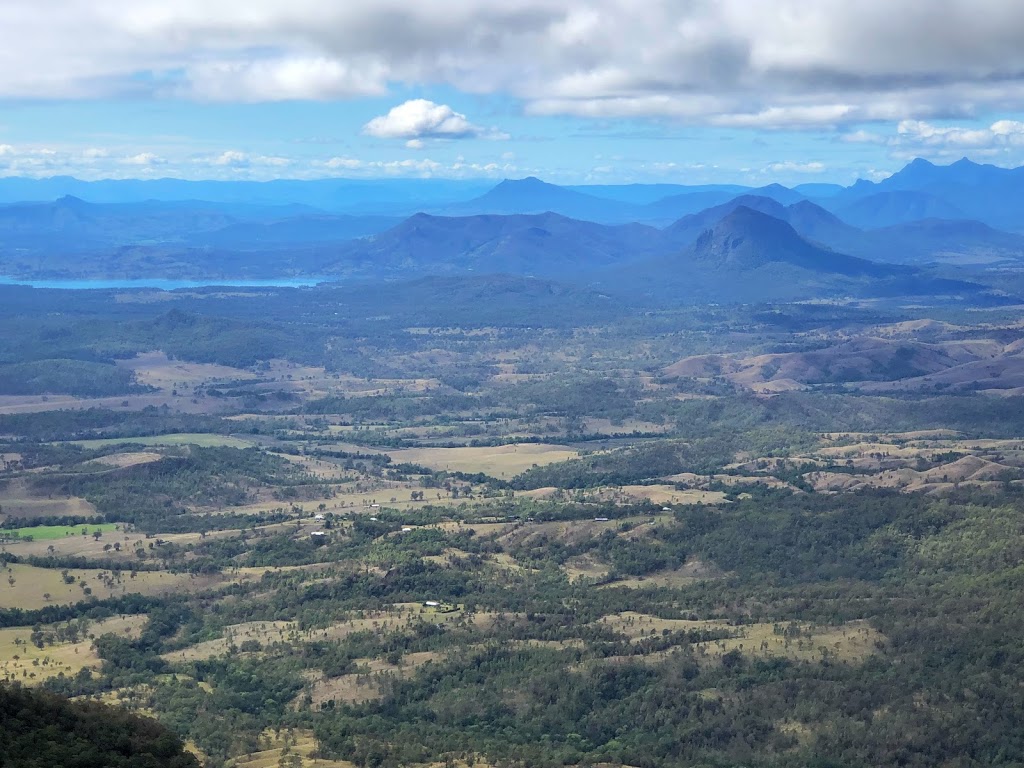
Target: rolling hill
(751, 256)
(546, 244)
(531, 195)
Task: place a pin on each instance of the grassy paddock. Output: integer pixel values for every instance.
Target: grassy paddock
(202, 439)
(51, 532)
(29, 587)
(497, 461)
(22, 661)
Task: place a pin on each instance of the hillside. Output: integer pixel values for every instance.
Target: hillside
(897, 207)
(544, 245)
(750, 256)
(41, 729)
(531, 195)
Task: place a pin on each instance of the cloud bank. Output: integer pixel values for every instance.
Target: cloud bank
(735, 63)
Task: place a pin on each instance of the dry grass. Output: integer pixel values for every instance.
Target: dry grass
(18, 500)
(630, 494)
(201, 439)
(155, 369)
(695, 570)
(31, 508)
(10, 404)
(585, 567)
(35, 588)
(398, 617)
(607, 427)
(851, 642)
(969, 470)
(497, 461)
(701, 481)
(288, 747)
(87, 546)
(367, 685)
(21, 660)
(128, 459)
(479, 529)
(263, 632)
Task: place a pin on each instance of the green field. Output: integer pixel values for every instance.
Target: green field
(203, 440)
(50, 532)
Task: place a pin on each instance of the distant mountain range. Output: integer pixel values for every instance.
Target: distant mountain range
(720, 241)
(751, 256)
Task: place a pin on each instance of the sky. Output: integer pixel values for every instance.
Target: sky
(595, 92)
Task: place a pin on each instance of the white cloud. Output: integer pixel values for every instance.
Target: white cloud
(415, 167)
(861, 136)
(790, 166)
(744, 63)
(233, 158)
(419, 119)
(873, 174)
(143, 158)
(287, 78)
(1000, 134)
(797, 116)
(343, 163)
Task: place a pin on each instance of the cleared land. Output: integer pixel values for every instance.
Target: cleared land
(51, 532)
(17, 500)
(203, 440)
(497, 461)
(25, 662)
(850, 642)
(266, 632)
(290, 747)
(28, 587)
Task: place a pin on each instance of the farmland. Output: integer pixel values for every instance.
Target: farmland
(49, 532)
(497, 546)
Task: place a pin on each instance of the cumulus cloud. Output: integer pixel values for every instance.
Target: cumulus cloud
(1002, 133)
(143, 158)
(790, 166)
(233, 158)
(33, 160)
(415, 167)
(860, 136)
(419, 119)
(742, 63)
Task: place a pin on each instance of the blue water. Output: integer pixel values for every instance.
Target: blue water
(163, 285)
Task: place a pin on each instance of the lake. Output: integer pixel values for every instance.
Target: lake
(162, 284)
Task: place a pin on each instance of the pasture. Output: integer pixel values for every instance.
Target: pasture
(288, 747)
(498, 461)
(203, 440)
(28, 587)
(798, 641)
(51, 532)
(18, 500)
(23, 661)
(394, 618)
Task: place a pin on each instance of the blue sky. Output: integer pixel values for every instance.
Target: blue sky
(605, 91)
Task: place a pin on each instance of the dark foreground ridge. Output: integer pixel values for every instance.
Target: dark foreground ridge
(43, 730)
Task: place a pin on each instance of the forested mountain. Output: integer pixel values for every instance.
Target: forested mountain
(526, 227)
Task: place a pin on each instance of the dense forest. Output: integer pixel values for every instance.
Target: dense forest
(41, 730)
